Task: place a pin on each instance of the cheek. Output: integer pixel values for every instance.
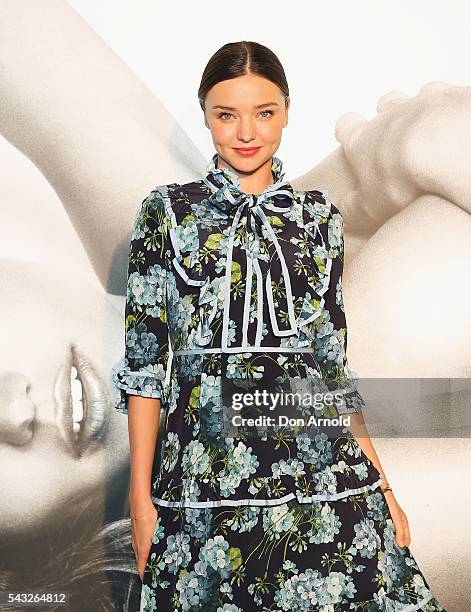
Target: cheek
(271, 130)
(223, 132)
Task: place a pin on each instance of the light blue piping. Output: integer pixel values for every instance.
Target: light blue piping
(253, 263)
(227, 282)
(245, 349)
(231, 179)
(258, 272)
(185, 503)
(286, 280)
(248, 293)
(173, 239)
(419, 605)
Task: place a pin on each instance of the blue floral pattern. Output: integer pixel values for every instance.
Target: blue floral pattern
(222, 283)
(324, 556)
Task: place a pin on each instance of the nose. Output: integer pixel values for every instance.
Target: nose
(17, 411)
(246, 131)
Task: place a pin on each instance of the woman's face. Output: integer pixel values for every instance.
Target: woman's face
(45, 313)
(247, 111)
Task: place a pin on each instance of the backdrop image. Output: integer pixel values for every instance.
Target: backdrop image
(98, 106)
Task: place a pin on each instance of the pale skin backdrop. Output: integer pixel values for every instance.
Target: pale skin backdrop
(102, 141)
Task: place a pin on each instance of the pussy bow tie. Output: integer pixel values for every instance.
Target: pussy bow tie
(228, 197)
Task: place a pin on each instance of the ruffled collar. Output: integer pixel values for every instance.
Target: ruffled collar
(226, 189)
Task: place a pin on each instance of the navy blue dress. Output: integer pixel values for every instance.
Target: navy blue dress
(226, 288)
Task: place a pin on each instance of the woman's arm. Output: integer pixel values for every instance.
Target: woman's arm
(141, 377)
(147, 342)
(335, 363)
(359, 430)
(143, 426)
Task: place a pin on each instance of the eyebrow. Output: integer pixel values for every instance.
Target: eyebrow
(232, 108)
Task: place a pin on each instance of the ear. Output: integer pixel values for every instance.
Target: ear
(288, 100)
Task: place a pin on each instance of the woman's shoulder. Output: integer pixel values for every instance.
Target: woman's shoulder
(158, 200)
(318, 204)
(162, 192)
(153, 216)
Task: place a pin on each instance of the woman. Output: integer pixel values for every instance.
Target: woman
(241, 275)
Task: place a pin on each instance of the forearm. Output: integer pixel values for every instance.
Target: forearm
(360, 432)
(143, 426)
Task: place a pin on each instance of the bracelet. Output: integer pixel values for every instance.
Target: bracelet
(388, 488)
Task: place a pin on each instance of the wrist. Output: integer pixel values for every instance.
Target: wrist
(135, 516)
(140, 500)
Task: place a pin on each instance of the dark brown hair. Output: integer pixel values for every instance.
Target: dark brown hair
(238, 58)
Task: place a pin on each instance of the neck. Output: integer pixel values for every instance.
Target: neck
(253, 183)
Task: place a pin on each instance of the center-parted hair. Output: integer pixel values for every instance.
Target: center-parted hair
(239, 58)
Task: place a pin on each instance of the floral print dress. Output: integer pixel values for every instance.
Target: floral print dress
(225, 285)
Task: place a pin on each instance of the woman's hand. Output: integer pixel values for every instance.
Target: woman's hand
(399, 519)
(143, 526)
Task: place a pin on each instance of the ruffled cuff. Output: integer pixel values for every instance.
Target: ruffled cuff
(148, 381)
(352, 401)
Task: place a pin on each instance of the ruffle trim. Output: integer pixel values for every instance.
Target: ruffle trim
(185, 503)
(130, 382)
(316, 489)
(394, 605)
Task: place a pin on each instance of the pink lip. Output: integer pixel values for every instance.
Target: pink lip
(246, 151)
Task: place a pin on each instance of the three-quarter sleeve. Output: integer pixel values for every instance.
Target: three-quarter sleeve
(142, 370)
(332, 340)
